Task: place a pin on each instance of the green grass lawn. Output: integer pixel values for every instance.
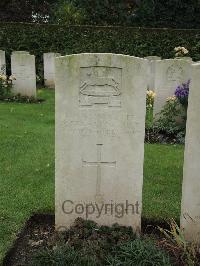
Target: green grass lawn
(27, 169)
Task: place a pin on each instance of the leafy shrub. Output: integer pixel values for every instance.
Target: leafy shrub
(38, 39)
(171, 121)
(21, 99)
(170, 13)
(5, 84)
(187, 253)
(66, 13)
(172, 118)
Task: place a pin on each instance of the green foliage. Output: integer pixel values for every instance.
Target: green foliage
(5, 85)
(86, 243)
(187, 252)
(150, 13)
(171, 13)
(136, 252)
(139, 252)
(66, 13)
(6, 93)
(23, 10)
(61, 255)
(106, 12)
(20, 99)
(38, 39)
(27, 133)
(172, 119)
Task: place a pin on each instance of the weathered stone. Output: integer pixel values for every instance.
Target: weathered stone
(169, 73)
(23, 69)
(151, 71)
(100, 121)
(49, 69)
(190, 211)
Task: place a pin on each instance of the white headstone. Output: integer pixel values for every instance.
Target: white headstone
(169, 73)
(20, 52)
(49, 69)
(190, 212)
(2, 62)
(100, 122)
(23, 69)
(187, 58)
(151, 71)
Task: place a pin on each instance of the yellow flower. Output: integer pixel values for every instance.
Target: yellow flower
(171, 98)
(151, 93)
(3, 77)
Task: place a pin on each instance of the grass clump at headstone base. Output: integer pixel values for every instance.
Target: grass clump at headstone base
(86, 243)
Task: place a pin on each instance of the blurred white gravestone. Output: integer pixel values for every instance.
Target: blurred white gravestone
(190, 209)
(169, 73)
(20, 52)
(23, 69)
(151, 71)
(187, 58)
(100, 122)
(49, 69)
(2, 62)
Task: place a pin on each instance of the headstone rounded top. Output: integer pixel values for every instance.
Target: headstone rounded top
(186, 58)
(51, 53)
(153, 57)
(20, 52)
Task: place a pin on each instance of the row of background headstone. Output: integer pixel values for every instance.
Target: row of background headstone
(24, 72)
(163, 75)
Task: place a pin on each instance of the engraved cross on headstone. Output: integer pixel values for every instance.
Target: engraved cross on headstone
(98, 164)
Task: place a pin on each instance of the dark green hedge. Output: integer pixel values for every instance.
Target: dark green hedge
(76, 39)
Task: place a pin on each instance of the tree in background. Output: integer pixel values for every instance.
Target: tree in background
(149, 13)
(25, 10)
(170, 13)
(107, 12)
(94, 12)
(66, 13)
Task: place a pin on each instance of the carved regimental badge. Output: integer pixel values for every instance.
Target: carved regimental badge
(100, 86)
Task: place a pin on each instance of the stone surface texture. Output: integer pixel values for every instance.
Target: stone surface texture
(190, 209)
(23, 69)
(151, 71)
(100, 124)
(169, 73)
(49, 69)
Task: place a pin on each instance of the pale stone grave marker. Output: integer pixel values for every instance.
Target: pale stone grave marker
(2, 62)
(151, 71)
(190, 212)
(169, 73)
(100, 122)
(23, 69)
(49, 69)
